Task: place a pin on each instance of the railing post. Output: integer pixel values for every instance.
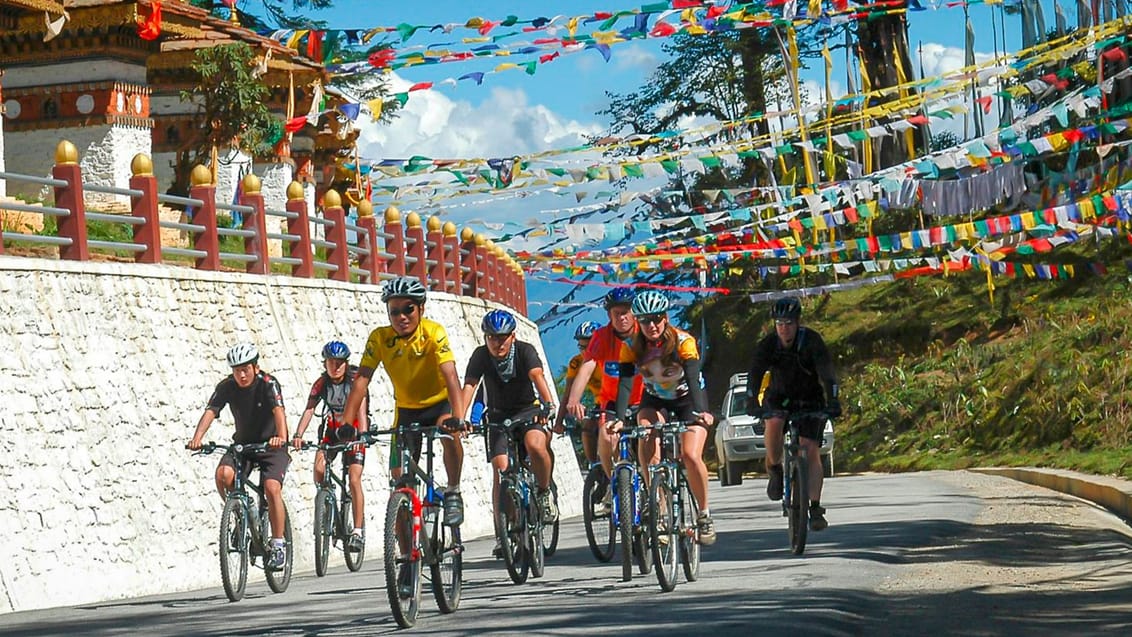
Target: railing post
(256, 222)
(144, 207)
(207, 240)
(395, 241)
(488, 271)
(522, 289)
(452, 278)
(73, 226)
(371, 262)
(469, 256)
(300, 227)
(511, 287)
(338, 253)
(415, 247)
(434, 241)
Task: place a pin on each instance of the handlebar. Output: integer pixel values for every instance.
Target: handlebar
(364, 439)
(239, 448)
(429, 430)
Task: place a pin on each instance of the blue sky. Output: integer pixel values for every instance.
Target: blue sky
(515, 113)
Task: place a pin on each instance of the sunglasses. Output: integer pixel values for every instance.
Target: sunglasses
(405, 310)
(783, 322)
(651, 319)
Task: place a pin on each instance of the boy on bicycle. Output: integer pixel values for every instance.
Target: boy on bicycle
(511, 372)
(256, 402)
(588, 430)
(332, 388)
(426, 389)
(801, 377)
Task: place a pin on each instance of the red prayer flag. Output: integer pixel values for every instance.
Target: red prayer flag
(295, 124)
(150, 28)
(662, 30)
(543, 59)
(420, 86)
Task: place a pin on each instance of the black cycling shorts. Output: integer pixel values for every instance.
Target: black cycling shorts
(430, 415)
(272, 463)
(679, 409)
(812, 428)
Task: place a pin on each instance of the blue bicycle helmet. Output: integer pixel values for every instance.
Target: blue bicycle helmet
(619, 296)
(335, 349)
(499, 322)
(650, 302)
(586, 330)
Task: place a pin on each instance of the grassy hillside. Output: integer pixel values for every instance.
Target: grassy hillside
(936, 376)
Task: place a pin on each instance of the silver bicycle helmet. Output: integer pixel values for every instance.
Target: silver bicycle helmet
(242, 354)
(404, 287)
(650, 302)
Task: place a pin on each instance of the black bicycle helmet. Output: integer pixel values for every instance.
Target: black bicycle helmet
(787, 308)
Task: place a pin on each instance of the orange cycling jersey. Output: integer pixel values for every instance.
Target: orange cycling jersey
(615, 358)
(595, 380)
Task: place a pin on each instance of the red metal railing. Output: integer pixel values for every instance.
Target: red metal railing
(467, 264)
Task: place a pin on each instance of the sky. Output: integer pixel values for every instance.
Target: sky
(513, 113)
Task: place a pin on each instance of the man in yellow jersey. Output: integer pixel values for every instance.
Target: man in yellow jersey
(426, 388)
(588, 430)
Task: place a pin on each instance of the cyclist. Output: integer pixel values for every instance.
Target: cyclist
(426, 388)
(511, 372)
(668, 361)
(332, 389)
(256, 402)
(609, 347)
(588, 432)
(801, 378)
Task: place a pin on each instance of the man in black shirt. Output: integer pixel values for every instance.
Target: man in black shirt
(256, 402)
(801, 379)
(508, 367)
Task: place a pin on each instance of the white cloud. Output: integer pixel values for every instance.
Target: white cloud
(635, 57)
(938, 59)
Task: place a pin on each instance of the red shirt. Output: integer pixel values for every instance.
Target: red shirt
(614, 356)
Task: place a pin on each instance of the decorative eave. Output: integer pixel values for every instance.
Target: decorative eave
(79, 122)
(39, 6)
(105, 15)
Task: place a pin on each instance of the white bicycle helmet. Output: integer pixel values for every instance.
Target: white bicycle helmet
(404, 287)
(650, 302)
(242, 354)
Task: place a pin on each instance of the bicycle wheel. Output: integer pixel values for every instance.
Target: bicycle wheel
(689, 536)
(662, 530)
(354, 559)
(799, 509)
(234, 538)
(402, 570)
(512, 532)
(279, 580)
(642, 549)
(323, 530)
(624, 508)
(550, 534)
(600, 525)
(535, 530)
(447, 567)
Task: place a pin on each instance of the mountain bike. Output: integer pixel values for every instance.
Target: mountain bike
(796, 477)
(600, 525)
(628, 507)
(673, 531)
(334, 522)
(519, 519)
(244, 527)
(415, 533)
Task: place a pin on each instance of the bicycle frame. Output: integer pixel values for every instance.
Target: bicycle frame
(519, 476)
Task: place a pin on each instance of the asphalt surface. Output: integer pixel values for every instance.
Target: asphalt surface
(907, 554)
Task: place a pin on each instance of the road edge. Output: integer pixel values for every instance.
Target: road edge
(1111, 493)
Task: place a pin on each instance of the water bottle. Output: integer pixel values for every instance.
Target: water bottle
(477, 413)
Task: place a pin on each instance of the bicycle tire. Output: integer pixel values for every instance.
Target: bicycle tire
(624, 508)
(799, 509)
(689, 535)
(278, 581)
(323, 530)
(550, 539)
(512, 532)
(234, 538)
(447, 567)
(405, 604)
(600, 527)
(662, 530)
(354, 559)
(535, 547)
(642, 549)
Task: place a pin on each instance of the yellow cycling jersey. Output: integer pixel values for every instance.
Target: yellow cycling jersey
(595, 379)
(412, 362)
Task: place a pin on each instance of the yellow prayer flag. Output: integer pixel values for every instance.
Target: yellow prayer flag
(375, 106)
(505, 66)
(1028, 221)
(814, 10)
(1058, 141)
(1029, 269)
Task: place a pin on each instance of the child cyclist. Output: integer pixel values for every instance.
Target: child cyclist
(668, 362)
(332, 388)
(588, 428)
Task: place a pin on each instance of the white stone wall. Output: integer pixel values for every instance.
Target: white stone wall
(81, 71)
(106, 162)
(105, 370)
(274, 179)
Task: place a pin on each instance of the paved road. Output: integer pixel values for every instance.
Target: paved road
(905, 554)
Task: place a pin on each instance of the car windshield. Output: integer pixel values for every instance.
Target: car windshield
(738, 405)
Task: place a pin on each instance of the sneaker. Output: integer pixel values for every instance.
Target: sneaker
(774, 483)
(817, 518)
(356, 542)
(662, 532)
(277, 557)
(453, 509)
(497, 552)
(548, 506)
(706, 527)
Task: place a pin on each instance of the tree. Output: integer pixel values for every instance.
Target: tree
(883, 45)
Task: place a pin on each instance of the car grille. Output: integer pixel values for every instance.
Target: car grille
(760, 428)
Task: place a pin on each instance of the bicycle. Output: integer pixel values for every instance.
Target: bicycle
(796, 478)
(244, 527)
(334, 523)
(628, 506)
(673, 532)
(519, 520)
(600, 525)
(415, 535)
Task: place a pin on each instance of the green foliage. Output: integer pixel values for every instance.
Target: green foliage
(232, 101)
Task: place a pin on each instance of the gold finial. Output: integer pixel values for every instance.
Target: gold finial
(480, 241)
(66, 154)
(232, 17)
(449, 229)
(141, 166)
(332, 199)
(392, 215)
(467, 234)
(498, 251)
(413, 220)
(490, 245)
(201, 176)
(365, 208)
(252, 184)
(433, 224)
(295, 191)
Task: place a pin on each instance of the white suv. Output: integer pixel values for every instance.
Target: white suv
(739, 438)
